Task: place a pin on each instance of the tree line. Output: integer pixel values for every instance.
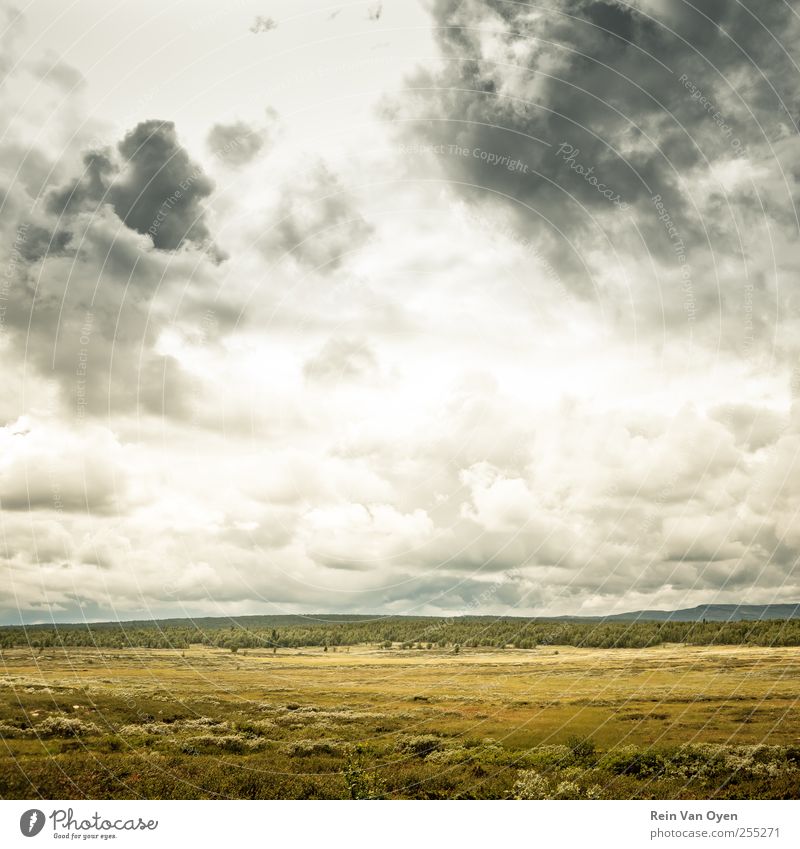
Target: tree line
(424, 633)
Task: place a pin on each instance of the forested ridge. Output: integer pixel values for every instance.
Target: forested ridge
(275, 632)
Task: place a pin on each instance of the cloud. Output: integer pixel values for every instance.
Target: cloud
(477, 389)
(49, 468)
(152, 185)
(263, 24)
(88, 308)
(54, 70)
(360, 537)
(752, 426)
(96, 250)
(238, 143)
(498, 503)
(36, 242)
(316, 222)
(341, 358)
(518, 82)
(89, 190)
(160, 191)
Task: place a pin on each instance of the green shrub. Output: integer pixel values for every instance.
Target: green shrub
(583, 750)
(65, 726)
(531, 785)
(236, 744)
(362, 783)
(256, 727)
(421, 746)
(548, 757)
(144, 728)
(203, 722)
(633, 760)
(311, 748)
(10, 732)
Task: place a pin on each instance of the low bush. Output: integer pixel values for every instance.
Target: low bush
(256, 727)
(531, 784)
(311, 748)
(633, 760)
(420, 746)
(65, 726)
(236, 744)
(12, 732)
(583, 750)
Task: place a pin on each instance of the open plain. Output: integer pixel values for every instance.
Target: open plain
(671, 721)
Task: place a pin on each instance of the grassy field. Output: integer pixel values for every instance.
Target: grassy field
(666, 722)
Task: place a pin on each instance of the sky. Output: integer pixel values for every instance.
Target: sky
(442, 307)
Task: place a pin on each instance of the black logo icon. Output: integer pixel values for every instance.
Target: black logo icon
(31, 822)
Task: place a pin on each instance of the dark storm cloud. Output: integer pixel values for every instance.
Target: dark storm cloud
(153, 186)
(160, 190)
(585, 100)
(89, 190)
(39, 242)
(90, 317)
(90, 296)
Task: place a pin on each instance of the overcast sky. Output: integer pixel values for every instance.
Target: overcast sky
(406, 307)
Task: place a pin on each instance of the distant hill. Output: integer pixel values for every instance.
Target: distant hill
(711, 613)
(708, 624)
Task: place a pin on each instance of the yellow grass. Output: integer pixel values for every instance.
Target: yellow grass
(666, 695)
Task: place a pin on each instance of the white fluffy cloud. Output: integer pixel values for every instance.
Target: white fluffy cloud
(364, 371)
(44, 467)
